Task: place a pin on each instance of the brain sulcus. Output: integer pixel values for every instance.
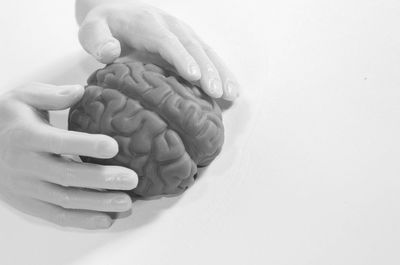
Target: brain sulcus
(165, 127)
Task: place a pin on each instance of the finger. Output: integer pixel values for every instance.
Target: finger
(71, 218)
(230, 85)
(210, 80)
(172, 50)
(46, 138)
(73, 198)
(49, 97)
(67, 217)
(96, 38)
(85, 175)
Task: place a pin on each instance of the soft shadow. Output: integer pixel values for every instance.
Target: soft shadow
(45, 243)
(146, 210)
(78, 68)
(143, 213)
(236, 117)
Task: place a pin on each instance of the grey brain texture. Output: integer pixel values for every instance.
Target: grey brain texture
(165, 127)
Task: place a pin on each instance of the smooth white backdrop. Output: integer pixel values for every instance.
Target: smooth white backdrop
(309, 173)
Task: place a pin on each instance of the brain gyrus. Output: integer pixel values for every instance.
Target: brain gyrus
(165, 127)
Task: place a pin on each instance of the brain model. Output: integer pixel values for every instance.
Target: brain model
(164, 126)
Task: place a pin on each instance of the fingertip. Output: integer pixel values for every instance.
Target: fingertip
(134, 181)
(128, 180)
(96, 38)
(214, 88)
(71, 90)
(107, 148)
(231, 91)
(108, 52)
(101, 222)
(194, 72)
(121, 203)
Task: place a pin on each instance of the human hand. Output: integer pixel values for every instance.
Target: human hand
(111, 28)
(36, 179)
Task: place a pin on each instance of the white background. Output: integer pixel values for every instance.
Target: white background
(309, 173)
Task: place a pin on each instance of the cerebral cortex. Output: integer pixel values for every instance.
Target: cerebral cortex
(165, 127)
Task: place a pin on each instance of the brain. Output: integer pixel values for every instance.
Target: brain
(165, 127)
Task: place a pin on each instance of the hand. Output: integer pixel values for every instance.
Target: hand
(36, 179)
(109, 28)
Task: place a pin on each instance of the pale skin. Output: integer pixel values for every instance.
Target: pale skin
(35, 176)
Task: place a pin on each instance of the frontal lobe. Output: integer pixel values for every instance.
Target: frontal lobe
(164, 126)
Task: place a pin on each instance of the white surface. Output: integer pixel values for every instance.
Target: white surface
(310, 169)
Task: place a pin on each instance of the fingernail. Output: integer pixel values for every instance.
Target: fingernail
(231, 91)
(108, 52)
(107, 149)
(126, 181)
(194, 70)
(102, 221)
(69, 90)
(121, 202)
(215, 88)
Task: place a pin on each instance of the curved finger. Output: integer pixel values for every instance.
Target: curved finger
(49, 139)
(229, 83)
(55, 214)
(48, 97)
(172, 50)
(210, 80)
(70, 173)
(96, 38)
(74, 198)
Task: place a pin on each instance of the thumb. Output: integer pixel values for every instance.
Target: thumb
(96, 38)
(49, 97)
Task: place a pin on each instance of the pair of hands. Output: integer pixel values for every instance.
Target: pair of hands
(35, 176)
